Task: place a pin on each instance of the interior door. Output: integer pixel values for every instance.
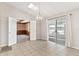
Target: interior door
(12, 37)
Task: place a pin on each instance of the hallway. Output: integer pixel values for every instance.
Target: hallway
(39, 48)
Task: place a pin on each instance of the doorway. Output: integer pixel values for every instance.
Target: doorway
(57, 29)
(23, 31)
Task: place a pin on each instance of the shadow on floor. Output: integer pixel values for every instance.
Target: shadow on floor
(5, 49)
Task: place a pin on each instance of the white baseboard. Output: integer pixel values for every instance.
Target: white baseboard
(75, 48)
(3, 45)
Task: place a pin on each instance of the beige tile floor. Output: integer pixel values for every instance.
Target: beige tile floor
(39, 48)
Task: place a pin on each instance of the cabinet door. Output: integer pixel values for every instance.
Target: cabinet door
(12, 37)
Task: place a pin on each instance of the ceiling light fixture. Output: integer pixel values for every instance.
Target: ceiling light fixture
(39, 17)
(32, 6)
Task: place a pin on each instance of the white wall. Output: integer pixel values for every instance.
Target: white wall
(5, 12)
(44, 29)
(0, 32)
(41, 29)
(33, 30)
(75, 28)
(38, 29)
(4, 31)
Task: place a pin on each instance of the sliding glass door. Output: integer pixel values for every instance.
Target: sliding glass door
(57, 30)
(61, 22)
(52, 29)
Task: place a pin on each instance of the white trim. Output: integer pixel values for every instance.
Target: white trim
(47, 32)
(68, 31)
(3, 45)
(75, 48)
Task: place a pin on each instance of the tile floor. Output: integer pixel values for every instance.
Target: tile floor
(39, 48)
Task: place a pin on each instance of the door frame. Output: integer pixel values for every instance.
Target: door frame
(16, 29)
(66, 31)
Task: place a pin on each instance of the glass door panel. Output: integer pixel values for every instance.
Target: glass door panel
(61, 30)
(57, 30)
(52, 30)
